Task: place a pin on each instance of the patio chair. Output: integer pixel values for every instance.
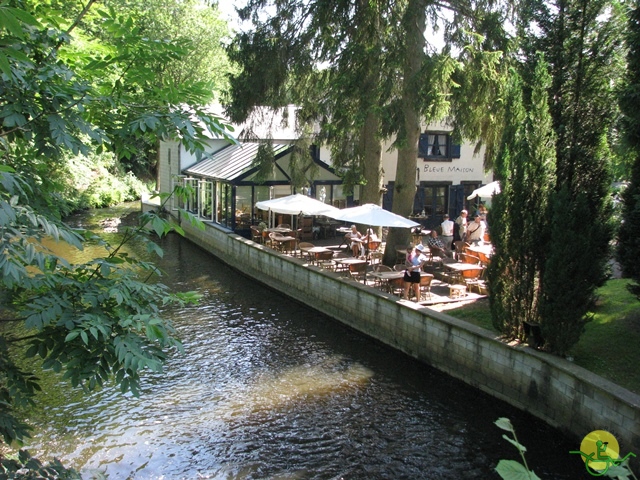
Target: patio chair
(358, 271)
(325, 261)
(340, 267)
(373, 246)
(472, 279)
(302, 246)
(381, 268)
(375, 258)
(256, 235)
(425, 285)
(437, 256)
(468, 258)
(396, 286)
(460, 246)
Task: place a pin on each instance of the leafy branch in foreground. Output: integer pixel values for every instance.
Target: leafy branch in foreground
(510, 469)
(93, 322)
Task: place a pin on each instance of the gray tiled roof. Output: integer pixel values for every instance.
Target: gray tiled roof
(230, 163)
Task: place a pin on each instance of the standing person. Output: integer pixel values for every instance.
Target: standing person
(447, 231)
(414, 261)
(475, 230)
(460, 227)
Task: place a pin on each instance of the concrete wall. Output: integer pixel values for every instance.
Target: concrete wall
(557, 391)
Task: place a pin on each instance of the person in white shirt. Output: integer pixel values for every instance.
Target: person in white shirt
(447, 231)
(461, 223)
(475, 230)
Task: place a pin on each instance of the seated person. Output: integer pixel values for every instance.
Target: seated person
(434, 241)
(371, 236)
(355, 239)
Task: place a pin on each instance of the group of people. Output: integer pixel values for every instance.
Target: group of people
(358, 242)
(470, 232)
(460, 229)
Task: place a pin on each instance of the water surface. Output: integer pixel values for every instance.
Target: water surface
(269, 389)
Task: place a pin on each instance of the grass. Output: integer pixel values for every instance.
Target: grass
(610, 344)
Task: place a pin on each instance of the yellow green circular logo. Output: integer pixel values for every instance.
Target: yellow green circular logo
(600, 447)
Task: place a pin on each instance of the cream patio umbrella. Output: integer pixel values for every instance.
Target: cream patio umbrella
(372, 215)
(486, 191)
(297, 204)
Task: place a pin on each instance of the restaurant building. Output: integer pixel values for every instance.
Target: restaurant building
(227, 182)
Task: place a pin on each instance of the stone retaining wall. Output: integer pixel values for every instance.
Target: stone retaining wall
(562, 394)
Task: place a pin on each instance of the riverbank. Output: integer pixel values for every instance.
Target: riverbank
(559, 392)
(609, 345)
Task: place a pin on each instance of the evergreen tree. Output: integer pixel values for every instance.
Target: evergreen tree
(581, 42)
(525, 166)
(628, 250)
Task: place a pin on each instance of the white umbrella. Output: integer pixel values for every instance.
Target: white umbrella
(372, 215)
(297, 204)
(486, 191)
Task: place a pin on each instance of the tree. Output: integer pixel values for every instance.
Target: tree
(376, 80)
(197, 34)
(581, 40)
(98, 321)
(629, 234)
(525, 167)
(330, 57)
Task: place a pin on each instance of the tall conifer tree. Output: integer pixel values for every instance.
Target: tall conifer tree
(526, 166)
(629, 234)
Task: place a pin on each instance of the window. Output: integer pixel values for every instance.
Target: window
(437, 146)
(434, 200)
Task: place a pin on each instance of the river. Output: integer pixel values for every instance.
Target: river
(269, 389)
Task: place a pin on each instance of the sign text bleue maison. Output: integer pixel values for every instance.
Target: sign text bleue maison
(447, 169)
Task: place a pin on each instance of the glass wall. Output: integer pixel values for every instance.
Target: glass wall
(207, 196)
(244, 207)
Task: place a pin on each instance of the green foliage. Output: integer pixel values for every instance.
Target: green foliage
(629, 232)
(567, 293)
(96, 322)
(510, 469)
(519, 231)
(27, 467)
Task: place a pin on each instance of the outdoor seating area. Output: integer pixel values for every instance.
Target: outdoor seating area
(445, 280)
(338, 247)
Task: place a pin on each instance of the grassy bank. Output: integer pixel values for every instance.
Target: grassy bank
(610, 345)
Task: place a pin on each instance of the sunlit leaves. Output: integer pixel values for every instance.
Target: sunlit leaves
(510, 469)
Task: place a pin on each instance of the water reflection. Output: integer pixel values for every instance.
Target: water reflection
(269, 389)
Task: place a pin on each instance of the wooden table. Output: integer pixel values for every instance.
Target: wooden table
(282, 240)
(485, 248)
(327, 228)
(387, 277)
(313, 251)
(278, 230)
(483, 252)
(458, 268)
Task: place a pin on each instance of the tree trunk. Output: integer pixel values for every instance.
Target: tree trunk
(371, 191)
(405, 184)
